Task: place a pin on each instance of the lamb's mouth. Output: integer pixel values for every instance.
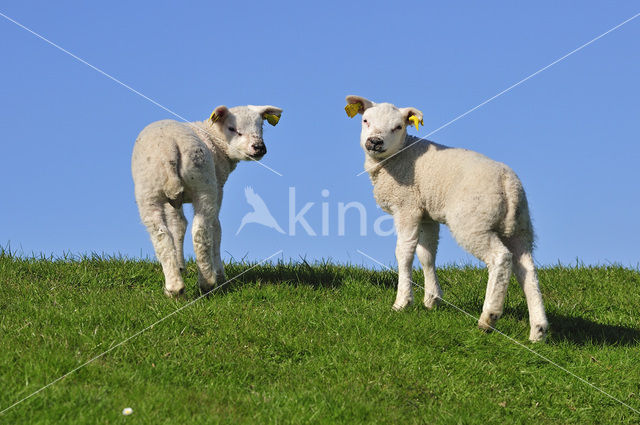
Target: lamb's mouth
(256, 156)
(374, 149)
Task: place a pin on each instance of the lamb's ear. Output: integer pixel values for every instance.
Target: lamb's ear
(219, 114)
(357, 105)
(270, 113)
(413, 116)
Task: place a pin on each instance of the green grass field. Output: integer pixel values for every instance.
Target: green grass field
(299, 343)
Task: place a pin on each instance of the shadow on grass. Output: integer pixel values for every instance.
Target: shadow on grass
(584, 331)
(318, 275)
(564, 328)
(581, 331)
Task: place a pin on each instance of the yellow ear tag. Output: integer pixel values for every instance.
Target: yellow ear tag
(272, 119)
(352, 109)
(214, 117)
(414, 119)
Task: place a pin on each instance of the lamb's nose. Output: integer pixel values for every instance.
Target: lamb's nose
(259, 148)
(374, 144)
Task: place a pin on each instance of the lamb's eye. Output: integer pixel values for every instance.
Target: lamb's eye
(399, 127)
(365, 121)
(232, 129)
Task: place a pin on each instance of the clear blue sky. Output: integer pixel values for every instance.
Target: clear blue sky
(571, 133)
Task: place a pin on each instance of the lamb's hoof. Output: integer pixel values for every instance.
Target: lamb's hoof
(431, 302)
(173, 292)
(487, 320)
(206, 288)
(538, 332)
(401, 305)
(221, 278)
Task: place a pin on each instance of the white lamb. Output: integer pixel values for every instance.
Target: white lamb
(175, 163)
(482, 201)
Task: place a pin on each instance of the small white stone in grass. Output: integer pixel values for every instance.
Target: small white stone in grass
(127, 411)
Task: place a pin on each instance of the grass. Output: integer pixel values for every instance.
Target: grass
(298, 343)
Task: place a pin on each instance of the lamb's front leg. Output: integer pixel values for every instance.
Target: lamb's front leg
(408, 229)
(426, 250)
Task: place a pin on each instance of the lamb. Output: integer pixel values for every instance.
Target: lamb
(422, 184)
(174, 163)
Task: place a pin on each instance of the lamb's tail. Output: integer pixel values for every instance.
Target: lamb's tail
(173, 188)
(516, 202)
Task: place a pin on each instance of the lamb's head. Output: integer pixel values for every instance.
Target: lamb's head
(241, 127)
(384, 126)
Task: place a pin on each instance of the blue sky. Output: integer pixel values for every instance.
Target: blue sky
(571, 132)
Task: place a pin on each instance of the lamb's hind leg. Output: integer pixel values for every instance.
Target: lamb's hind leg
(426, 251)
(177, 224)
(525, 272)
(205, 232)
(499, 261)
(153, 218)
(487, 246)
(408, 231)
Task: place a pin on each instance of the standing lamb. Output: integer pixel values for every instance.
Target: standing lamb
(482, 201)
(175, 163)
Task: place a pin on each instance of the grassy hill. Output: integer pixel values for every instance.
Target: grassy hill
(298, 343)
